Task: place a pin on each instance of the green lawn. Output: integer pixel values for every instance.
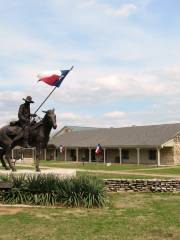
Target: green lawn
(120, 176)
(94, 166)
(129, 216)
(167, 170)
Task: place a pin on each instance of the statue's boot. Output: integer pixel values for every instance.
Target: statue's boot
(14, 169)
(38, 169)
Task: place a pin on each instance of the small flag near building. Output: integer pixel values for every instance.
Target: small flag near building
(98, 149)
(61, 148)
(53, 78)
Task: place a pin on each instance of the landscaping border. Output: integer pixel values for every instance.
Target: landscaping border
(142, 185)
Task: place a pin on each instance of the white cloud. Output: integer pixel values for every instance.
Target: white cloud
(10, 96)
(69, 116)
(124, 11)
(113, 87)
(115, 114)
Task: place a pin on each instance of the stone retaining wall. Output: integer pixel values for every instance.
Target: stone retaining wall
(141, 185)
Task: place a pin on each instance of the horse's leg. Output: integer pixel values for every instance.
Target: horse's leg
(8, 150)
(2, 159)
(38, 152)
(2, 152)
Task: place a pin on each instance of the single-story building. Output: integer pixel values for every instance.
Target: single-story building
(154, 144)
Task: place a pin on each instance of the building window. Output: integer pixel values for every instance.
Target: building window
(152, 154)
(125, 154)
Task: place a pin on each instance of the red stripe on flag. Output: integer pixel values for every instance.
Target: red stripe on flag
(51, 80)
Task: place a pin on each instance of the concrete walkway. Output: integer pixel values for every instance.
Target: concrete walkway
(122, 172)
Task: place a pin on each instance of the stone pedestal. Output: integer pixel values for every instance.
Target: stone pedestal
(61, 173)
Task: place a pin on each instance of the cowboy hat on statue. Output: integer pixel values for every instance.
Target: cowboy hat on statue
(28, 99)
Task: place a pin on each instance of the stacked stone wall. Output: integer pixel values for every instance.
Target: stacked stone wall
(141, 185)
(167, 156)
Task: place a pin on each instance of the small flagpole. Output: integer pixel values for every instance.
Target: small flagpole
(50, 94)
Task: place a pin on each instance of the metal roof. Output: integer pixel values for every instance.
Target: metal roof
(153, 135)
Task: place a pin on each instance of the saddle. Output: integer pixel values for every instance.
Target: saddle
(14, 123)
(34, 125)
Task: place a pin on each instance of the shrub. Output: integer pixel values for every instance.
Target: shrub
(83, 191)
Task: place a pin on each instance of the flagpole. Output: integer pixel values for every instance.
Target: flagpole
(50, 94)
(45, 99)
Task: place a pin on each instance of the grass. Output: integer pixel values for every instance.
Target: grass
(130, 216)
(94, 166)
(167, 170)
(113, 175)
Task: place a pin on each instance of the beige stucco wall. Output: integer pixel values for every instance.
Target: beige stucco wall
(144, 157)
(60, 156)
(112, 155)
(132, 157)
(83, 155)
(68, 155)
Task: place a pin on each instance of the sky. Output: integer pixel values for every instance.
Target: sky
(126, 59)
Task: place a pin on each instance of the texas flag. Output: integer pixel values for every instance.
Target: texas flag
(61, 148)
(98, 149)
(53, 78)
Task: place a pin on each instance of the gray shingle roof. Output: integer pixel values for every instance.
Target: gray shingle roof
(75, 129)
(153, 135)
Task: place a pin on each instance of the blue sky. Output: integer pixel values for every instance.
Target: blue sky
(125, 54)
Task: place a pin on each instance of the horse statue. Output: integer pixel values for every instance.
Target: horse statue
(38, 138)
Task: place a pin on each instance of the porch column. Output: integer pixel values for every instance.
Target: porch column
(34, 154)
(89, 154)
(158, 157)
(55, 154)
(65, 154)
(12, 154)
(45, 155)
(77, 154)
(120, 155)
(104, 155)
(138, 155)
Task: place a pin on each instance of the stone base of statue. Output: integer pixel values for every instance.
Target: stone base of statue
(59, 172)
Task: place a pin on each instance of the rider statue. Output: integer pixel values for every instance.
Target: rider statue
(24, 116)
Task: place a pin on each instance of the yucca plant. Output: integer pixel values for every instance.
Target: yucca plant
(84, 191)
(42, 183)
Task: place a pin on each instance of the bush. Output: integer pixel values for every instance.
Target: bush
(83, 191)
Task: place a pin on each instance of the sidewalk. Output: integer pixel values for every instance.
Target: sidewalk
(124, 172)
